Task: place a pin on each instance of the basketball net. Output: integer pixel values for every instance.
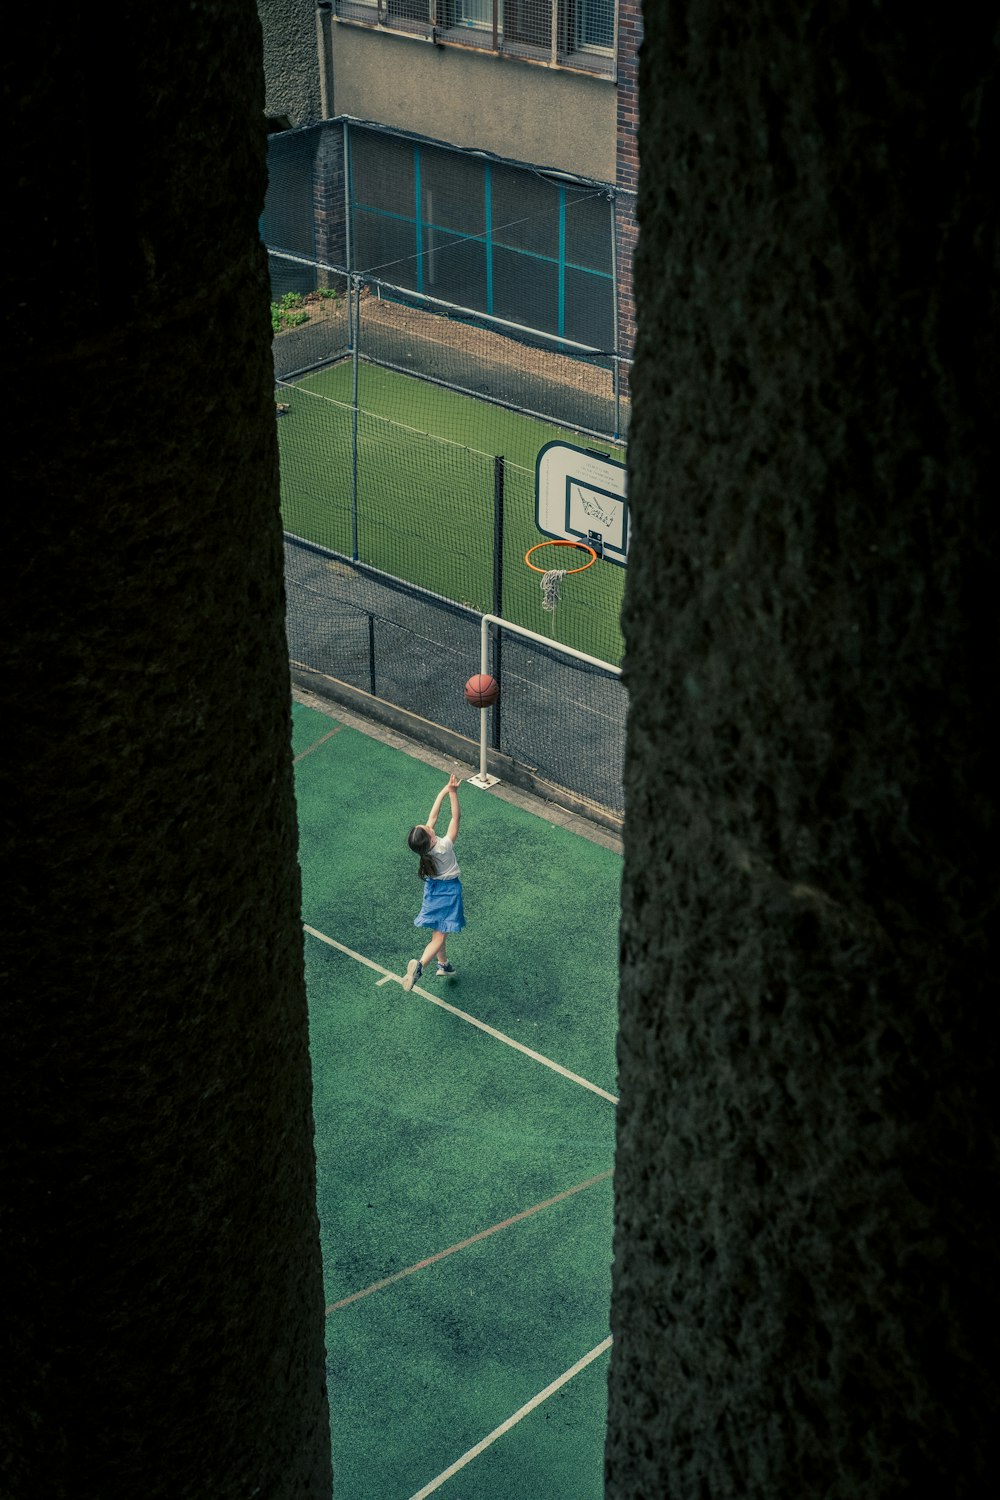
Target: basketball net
(550, 587)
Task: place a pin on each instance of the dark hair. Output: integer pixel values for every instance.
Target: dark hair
(419, 841)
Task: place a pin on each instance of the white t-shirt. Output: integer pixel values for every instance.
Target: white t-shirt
(445, 863)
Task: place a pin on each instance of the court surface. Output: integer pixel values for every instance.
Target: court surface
(464, 1131)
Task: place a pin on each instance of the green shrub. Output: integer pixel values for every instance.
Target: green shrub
(285, 314)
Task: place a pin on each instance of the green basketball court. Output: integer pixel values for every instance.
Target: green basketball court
(464, 1131)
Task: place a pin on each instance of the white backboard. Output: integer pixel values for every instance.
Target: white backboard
(580, 497)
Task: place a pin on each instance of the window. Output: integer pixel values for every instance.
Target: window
(595, 24)
(478, 13)
(528, 22)
(585, 38)
(407, 10)
(406, 15)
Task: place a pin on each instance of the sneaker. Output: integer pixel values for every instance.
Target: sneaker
(445, 969)
(414, 969)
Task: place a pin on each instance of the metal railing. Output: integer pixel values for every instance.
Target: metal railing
(577, 34)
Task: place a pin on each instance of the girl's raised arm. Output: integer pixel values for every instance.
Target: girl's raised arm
(456, 811)
(436, 808)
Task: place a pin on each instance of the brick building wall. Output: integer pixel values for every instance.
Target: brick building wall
(329, 197)
(627, 166)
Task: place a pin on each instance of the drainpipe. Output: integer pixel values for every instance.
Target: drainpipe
(324, 57)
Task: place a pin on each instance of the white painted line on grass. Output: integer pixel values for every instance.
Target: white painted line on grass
(358, 957)
(464, 1016)
(512, 1421)
(316, 744)
(473, 1239)
(520, 1047)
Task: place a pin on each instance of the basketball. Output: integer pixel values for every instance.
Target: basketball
(482, 691)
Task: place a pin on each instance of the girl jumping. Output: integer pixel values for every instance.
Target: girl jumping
(442, 904)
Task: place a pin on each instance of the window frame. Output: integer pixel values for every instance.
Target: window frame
(580, 7)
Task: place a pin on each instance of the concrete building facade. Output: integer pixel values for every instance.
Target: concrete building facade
(547, 87)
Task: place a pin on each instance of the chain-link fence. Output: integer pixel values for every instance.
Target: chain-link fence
(439, 318)
(359, 317)
(559, 721)
(488, 277)
(451, 515)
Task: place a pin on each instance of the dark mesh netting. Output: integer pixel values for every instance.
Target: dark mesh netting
(463, 350)
(440, 316)
(559, 719)
(485, 276)
(564, 719)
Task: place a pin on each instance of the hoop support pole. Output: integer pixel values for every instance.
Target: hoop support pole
(483, 778)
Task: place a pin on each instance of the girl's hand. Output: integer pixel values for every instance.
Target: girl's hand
(453, 783)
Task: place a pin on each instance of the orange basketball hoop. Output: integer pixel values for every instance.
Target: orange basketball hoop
(553, 577)
(581, 545)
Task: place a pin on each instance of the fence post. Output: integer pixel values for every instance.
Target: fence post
(371, 654)
(616, 314)
(498, 497)
(354, 293)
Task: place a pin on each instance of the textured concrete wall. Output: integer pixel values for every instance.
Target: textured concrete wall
(526, 113)
(805, 1283)
(291, 60)
(159, 1245)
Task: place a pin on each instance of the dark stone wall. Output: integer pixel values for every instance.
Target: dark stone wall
(805, 1282)
(159, 1243)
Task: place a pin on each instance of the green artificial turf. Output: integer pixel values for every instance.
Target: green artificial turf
(431, 1132)
(425, 487)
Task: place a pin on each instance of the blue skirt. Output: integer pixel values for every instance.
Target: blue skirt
(442, 906)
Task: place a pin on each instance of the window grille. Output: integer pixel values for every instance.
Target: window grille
(576, 34)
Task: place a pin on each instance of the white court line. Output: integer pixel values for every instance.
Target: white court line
(316, 744)
(464, 1016)
(523, 1411)
(473, 1239)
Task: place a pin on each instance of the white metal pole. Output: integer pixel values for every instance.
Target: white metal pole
(543, 640)
(483, 778)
